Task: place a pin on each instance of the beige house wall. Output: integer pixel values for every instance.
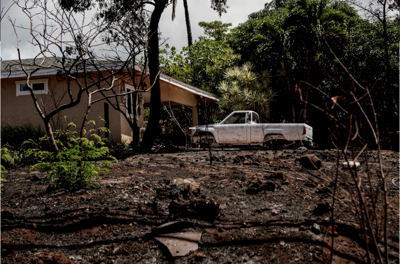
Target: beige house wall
(19, 110)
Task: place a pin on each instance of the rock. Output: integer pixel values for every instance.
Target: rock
(310, 184)
(182, 165)
(247, 162)
(321, 209)
(302, 148)
(215, 158)
(270, 186)
(49, 257)
(278, 175)
(274, 212)
(316, 229)
(189, 185)
(310, 162)
(351, 164)
(254, 188)
(238, 159)
(35, 178)
(206, 209)
(258, 186)
(199, 255)
(334, 232)
(50, 189)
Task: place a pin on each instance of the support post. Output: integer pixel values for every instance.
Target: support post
(195, 116)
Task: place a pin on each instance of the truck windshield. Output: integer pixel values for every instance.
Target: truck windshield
(237, 118)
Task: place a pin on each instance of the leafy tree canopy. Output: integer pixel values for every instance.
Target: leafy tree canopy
(216, 30)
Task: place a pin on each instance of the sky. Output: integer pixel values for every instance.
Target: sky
(173, 31)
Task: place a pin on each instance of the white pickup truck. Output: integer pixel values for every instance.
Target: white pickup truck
(243, 128)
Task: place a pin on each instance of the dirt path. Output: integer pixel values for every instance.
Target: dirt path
(269, 210)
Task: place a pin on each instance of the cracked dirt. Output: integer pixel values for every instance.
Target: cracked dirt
(250, 206)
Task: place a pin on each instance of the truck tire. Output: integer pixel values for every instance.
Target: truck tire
(275, 141)
(207, 140)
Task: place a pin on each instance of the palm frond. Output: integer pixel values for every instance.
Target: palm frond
(335, 31)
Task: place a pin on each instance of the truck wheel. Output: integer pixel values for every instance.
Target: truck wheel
(210, 141)
(274, 141)
(274, 144)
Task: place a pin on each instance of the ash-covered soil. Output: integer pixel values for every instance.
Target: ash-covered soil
(249, 206)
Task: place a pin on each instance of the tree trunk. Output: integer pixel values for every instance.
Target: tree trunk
(135, 139)
(306, 97)
(188, 28)
(49, 132)
(386, 46)
(85, 118)
(154, 67)
(291, 96)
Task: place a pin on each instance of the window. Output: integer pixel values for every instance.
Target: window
(236, 118)
(39, 86)
(255, 118)
(129, 102)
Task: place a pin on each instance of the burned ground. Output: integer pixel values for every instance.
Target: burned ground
(250, 207)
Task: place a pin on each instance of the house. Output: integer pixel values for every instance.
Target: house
(51, 89)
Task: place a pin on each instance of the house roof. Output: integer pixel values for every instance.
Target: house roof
(51, 66)
(47, 66)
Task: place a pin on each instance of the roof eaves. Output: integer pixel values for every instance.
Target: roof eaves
(189, 88)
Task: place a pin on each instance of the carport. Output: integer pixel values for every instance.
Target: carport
(174, 92)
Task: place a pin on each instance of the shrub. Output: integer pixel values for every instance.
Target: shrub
(2, 177)
(118, 149)
(14, 139)
(7, 160)
(77, 163)
(21, 156)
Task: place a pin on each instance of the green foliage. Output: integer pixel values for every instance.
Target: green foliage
(243, 89)
(117, 149)
(77, 163)
(2, 177)
(14, 139)
(215, 29)
(286, 38)
(201, 65)
(6, 159)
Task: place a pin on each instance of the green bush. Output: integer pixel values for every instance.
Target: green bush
(118, 149)
(14, 139)
(78, 161)
(2, 177)
(7, 160)
(20, 156)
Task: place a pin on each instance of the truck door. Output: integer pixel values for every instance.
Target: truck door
(256, 130)
(234, 129)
